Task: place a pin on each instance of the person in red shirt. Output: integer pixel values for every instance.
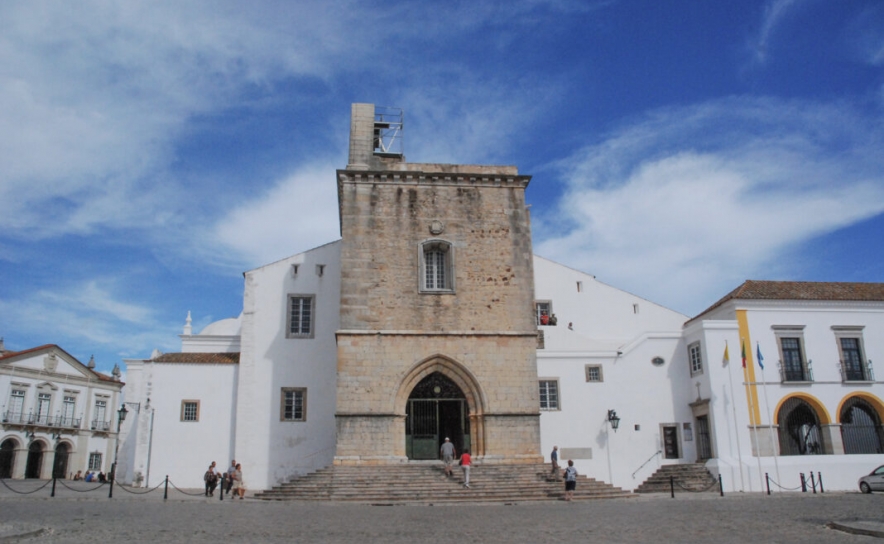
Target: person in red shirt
(465, 465)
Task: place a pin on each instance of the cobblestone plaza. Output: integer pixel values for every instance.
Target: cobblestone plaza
(92, 517)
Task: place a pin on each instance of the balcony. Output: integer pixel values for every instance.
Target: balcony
(796, 371)
(40, 420)
(856, 371)
(100, 426)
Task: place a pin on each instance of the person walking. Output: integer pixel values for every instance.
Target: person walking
(554, 457)
(570, 480)
(448, 454)
(465, 461)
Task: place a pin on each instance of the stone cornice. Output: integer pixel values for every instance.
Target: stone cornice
(458, 179)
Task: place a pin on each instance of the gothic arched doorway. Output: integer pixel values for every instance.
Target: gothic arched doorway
(7, 458)
(861, 430)
(60, 465)
(436, 409)
(35, 460)
(800, 431)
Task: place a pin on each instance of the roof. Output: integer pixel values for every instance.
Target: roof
(231, 358)
(803, 290)
(47, 347)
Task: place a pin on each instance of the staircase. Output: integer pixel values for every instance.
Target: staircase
(426, 483)
(690, 477)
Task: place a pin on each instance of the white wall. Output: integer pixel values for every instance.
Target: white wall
(272, 451)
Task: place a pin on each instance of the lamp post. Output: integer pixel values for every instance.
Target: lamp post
(121, 416)
(613, 419)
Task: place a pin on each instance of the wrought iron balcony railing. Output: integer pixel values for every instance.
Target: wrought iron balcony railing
(20, 418)
(857, 372)
(98, 425)
(796, 372)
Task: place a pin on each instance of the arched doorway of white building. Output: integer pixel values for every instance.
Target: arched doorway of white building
(436, 409)
(800, 429)
(861, 430)
(7, 458)
(34, 465)
(60, 462)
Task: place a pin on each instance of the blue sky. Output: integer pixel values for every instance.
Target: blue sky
(153, 151)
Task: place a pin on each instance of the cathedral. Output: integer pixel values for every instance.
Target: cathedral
(431, 318)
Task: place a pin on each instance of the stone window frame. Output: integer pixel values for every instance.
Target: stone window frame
(93, 457)
(448, 267)
(292, 297)
(553, 404)
(302, 391)
(854, 332)
(792, 332)
(695, 358)
(600, 376)
(188, 416)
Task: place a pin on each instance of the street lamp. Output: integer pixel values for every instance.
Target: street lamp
(613, 419)
(121, 416)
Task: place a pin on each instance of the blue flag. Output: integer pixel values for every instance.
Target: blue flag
(760, 358)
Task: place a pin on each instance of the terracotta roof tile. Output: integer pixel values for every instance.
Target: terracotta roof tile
(204, 358)
(803, 290)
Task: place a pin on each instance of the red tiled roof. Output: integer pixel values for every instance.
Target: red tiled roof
(803, 290)
(205, 358)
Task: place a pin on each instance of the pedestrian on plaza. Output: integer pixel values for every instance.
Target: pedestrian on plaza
(448, 454)
(554, 457)
(230, 472)
(465, 462)
(211, 478)
(88, 477)
(570, 480)
(78, 475)
(102, 477)
(239, 486)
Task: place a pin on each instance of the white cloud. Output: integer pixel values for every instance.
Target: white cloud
(685, 205)
(774, 13)
(300, 212)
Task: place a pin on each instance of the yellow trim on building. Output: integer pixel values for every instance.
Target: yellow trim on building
(815, 403)
(876, 403)
(749, 371)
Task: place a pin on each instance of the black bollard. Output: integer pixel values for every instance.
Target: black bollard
(166, 489)
(767, 482)
(221, 485)
(720, 487)
(803, 483)
(53, 486)
(110, 492)
(813, 483)
(672, 486)
(819, 478)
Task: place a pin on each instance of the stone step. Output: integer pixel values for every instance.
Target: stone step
(425, 483)
(685, 477)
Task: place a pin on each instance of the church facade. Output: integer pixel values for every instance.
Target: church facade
(431, 318)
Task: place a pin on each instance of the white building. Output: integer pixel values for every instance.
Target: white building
(58, 415)
(265, 388)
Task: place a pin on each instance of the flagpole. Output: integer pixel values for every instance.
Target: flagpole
(730, 375)
(752, 412)
(769, 417)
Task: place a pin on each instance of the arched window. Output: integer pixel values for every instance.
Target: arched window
(861, 430)
(800, 432)
(437, 267)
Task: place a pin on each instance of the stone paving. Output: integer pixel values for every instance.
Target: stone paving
(91, 516)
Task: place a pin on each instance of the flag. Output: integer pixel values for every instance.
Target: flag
(727, 358)
(744, 354)
(760, 358)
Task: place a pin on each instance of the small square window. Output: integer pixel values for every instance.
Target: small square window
(190, 410)
(300, 316)
(95, 461)
(594, 373)
(696, 358)
(543, 312)
(549, 394)
(293, 406)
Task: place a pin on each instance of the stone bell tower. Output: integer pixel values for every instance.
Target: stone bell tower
(437, 334)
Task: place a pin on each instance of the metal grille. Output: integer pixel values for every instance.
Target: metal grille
(861, 430)
(436, 409)
(704, 445)
(7, 458)
(800, 432)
